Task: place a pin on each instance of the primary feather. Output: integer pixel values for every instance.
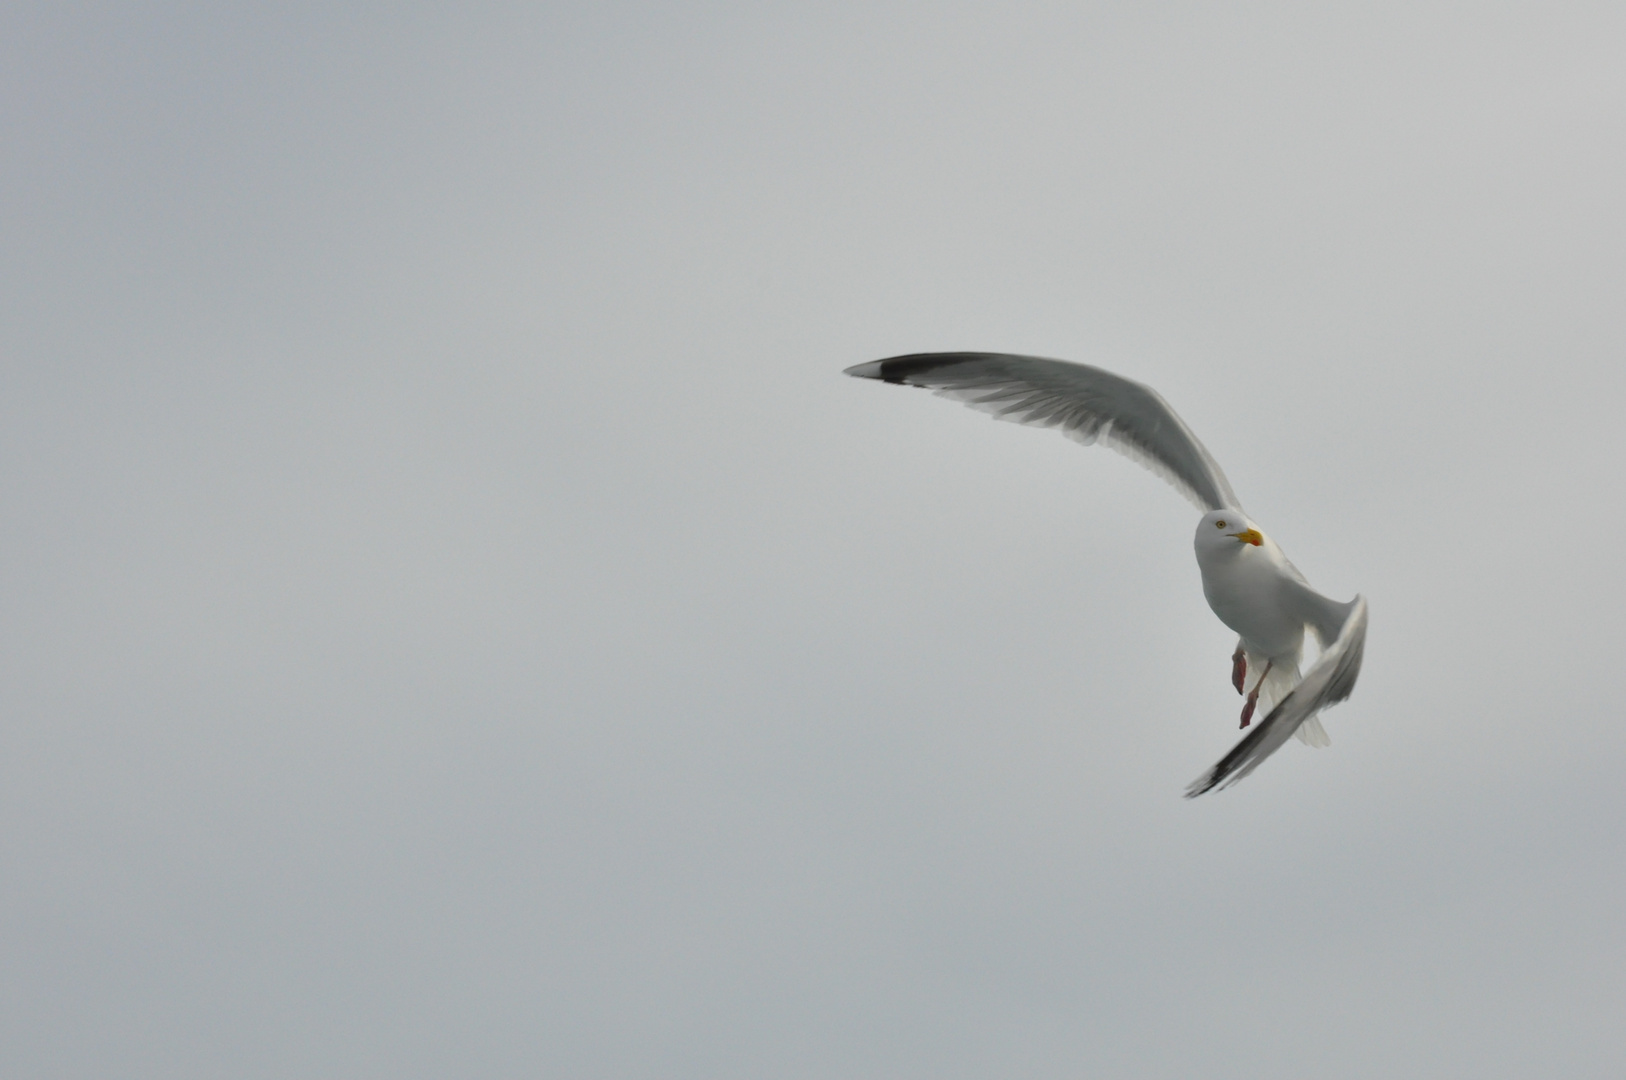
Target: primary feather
(1087, 403)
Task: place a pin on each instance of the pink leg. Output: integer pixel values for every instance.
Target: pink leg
(1253, 698)
(1239, 668)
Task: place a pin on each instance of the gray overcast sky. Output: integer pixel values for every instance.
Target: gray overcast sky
(458, 620)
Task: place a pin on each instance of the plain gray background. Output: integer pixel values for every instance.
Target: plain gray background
(459, 622)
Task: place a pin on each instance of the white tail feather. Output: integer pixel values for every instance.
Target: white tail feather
(1311, 733)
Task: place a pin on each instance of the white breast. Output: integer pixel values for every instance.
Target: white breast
(1245, 589)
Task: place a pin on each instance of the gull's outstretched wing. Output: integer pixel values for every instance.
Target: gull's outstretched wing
(1329, 681)
(1088, 404)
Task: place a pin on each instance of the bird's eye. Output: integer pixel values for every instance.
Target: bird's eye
(1219, 524)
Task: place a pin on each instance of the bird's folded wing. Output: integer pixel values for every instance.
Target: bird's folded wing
(1088, 404)
(1328, 682)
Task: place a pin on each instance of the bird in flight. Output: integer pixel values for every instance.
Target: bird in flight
(1248, 581)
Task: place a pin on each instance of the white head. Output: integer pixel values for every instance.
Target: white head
(1226, 532)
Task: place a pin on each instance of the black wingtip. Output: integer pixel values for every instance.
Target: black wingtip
(1202, 785)
(902, 369)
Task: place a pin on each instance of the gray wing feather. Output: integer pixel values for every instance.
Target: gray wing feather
(1325, 616)
(1329, 681)
(1087, 403)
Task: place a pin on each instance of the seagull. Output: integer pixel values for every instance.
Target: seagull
(1248, 581)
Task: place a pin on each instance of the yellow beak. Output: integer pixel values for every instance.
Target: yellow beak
(1249, 536)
